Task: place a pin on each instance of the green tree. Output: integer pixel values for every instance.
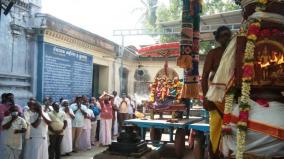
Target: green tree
(217, 6)
(148, 16)
(173, 12)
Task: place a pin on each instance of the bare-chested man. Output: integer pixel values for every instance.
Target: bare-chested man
(222, 36)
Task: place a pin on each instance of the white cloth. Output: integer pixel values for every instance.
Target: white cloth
(57, 120)
(105, 131)
(131, 106)
(27, 114)
(79, 117)
(37, 145)
(85, 140)
(85, 137)
(224, 74)
(93, 132)
(115, 125)
(258, 143)
(10, 139)
(87, 122)
(66, 145)
(117, 101)
(50, 108)
(12, 143)
(10, 153)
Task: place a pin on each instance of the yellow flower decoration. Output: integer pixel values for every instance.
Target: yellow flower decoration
(252, 37)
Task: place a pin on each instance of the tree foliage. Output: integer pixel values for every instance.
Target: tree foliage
(173, 11)
(217, 6)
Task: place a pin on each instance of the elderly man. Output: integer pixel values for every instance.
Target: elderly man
(13, 129)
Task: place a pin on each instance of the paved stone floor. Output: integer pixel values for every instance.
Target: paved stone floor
(87, 154)
(167, 152)
(100, 153)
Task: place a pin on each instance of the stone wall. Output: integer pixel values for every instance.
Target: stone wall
(18, 50)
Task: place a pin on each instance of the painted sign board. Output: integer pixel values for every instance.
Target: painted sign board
(64, 72)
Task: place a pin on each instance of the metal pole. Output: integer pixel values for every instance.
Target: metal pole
(121, 63)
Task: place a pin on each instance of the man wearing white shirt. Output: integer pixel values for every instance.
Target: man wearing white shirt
(85, 137)
(13, 128)
(37, 144)
(80, 112)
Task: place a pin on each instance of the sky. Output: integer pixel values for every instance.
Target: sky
(101, 17)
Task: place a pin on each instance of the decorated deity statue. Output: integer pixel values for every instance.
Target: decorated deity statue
(178, 87)
(172, 92)
(152, 94)
(159, 91)
(249, 84)
(164, 90)
(153, 91)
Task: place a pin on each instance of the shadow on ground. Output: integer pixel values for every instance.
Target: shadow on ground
(165, 152)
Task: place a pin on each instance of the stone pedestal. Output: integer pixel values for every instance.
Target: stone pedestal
(129, 143)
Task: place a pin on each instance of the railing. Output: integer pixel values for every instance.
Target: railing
(172, 30)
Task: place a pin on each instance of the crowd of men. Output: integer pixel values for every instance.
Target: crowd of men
(53, 129)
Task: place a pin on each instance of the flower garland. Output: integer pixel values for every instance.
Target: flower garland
(248, 71)
(253, 32)
(229, 99)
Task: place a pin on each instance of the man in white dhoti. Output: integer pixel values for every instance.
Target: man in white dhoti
(37, 144)
(13, 128)
(27, 113)
(116, 103)
(106, 119)
(66, 145)
(85, 137)
(56, 131)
